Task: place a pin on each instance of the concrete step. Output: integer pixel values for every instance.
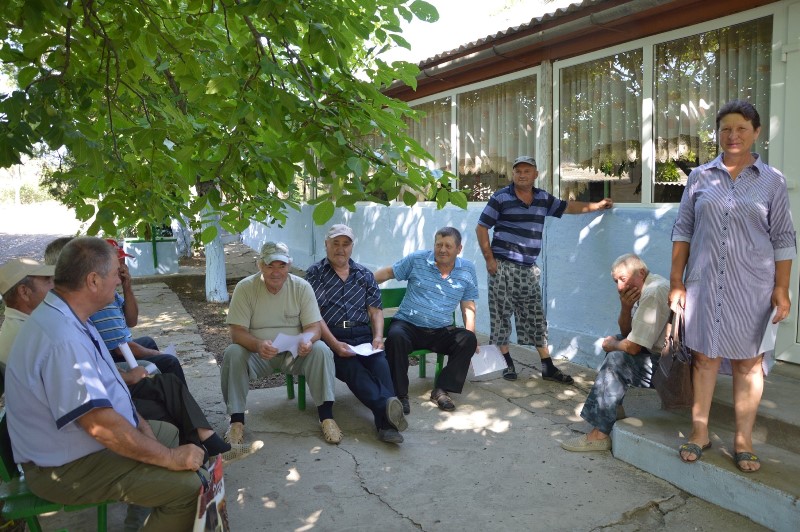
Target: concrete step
(650, 437)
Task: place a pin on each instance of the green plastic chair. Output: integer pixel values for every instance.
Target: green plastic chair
(301, 389)
(18, 502)
(391, 298)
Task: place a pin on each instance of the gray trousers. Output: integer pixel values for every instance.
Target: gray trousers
(240, 366)
(619, 372)
(105, 476)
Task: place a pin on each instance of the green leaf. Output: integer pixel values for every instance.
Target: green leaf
(424, 11)
(458, 198)
(209, 233)
(323, 212)
(441, 198)
(26, 75)
(409, 199)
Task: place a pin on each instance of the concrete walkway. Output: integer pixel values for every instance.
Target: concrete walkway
(493, 464)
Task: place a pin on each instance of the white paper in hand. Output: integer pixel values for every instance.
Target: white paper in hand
(487, 360)
(284, 342)
(364, 349)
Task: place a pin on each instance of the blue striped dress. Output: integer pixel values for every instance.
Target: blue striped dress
(737, 230)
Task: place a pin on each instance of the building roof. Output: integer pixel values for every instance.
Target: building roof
(577, 29)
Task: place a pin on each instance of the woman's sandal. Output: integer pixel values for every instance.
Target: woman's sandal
(746, 456)
(693, 448)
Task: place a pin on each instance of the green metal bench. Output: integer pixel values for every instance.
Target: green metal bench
(18, 502)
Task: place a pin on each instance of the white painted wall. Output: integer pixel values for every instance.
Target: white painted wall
(582, 303)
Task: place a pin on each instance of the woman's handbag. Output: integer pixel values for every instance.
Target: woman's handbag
(673, 376)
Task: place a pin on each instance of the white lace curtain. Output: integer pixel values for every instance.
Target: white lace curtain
(496, 125)
(697, 75)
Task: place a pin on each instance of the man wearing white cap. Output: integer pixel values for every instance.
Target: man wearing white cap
(263, 306)
(23, 285)
(350, 302)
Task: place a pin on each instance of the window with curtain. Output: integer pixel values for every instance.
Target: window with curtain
(432, 132)
(694, 77)
(495, 126)
(599, 129)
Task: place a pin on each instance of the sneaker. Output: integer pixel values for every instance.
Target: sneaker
(235, 433)
(406, 404)
(390, 436)
(241, 450)
(394, 414)
(510, 373)
(580, 444)
(331, 431)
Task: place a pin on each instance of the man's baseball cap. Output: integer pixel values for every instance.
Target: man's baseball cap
(16, 270)
(339, 230)
(272, 251)
(527, 159)
(120, 251)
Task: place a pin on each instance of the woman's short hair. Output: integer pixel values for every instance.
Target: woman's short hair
(449, 231)
(631, 261)
(80, 257)
(740, 107)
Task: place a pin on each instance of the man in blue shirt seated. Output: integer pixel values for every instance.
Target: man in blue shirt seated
(71, 420)
(438, 282)
(350, 302)
(113, 321)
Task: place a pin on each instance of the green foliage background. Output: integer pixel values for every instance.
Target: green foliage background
(211, 107)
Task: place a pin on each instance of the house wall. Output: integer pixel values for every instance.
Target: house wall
(581, 302)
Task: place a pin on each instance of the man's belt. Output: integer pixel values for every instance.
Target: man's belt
(349, 324)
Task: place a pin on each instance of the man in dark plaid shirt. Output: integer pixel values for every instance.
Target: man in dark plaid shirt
(350, 302)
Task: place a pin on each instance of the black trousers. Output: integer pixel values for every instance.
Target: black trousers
(163, 397)
(458, 344)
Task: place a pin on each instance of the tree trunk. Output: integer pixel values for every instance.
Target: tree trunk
(183, 235)
(216, 288)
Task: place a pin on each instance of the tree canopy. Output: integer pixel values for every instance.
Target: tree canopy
(162, 108)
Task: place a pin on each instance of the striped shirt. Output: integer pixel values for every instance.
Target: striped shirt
(344, 300)
(110, 323)
(430, 299)
(518, 227)
(736, 230)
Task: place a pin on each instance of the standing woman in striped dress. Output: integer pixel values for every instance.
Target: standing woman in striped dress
(732, 251)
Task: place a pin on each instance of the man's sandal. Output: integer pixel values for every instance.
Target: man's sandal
(563, 378)
(694, 449)
(746, 456)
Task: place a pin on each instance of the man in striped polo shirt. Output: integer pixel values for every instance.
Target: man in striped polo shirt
(517, 213)
(350, 302)
(438, 282)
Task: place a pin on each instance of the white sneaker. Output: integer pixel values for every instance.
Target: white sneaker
(235, 433)
(241, 450)
(582, 443)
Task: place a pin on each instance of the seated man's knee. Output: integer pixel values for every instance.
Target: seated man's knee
(320, 349)
(235, 356)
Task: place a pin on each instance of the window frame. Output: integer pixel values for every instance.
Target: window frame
(647, 133)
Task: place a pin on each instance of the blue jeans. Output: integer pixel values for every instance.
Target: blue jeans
(619, 372)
